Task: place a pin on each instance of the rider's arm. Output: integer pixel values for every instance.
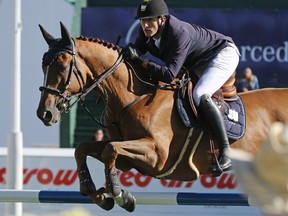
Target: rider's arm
(175, 59)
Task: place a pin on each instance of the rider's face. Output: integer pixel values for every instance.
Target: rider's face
(150, 26)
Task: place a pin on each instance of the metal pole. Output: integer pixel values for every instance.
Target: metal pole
(15, 140)
(142, 198)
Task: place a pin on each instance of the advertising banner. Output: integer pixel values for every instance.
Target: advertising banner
(55, 169)
(261, 35)
(45, 171)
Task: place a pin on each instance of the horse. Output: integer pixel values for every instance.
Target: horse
(144, 128)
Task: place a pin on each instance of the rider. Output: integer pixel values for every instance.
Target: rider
(212, 56)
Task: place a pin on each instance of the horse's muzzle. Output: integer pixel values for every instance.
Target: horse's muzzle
(48, 117)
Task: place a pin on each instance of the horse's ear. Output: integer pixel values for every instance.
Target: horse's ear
(48, 38)
(64, 33)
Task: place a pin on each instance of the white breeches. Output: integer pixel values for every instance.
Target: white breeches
(216, 73)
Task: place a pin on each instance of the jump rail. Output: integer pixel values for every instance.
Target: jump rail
(142, 198)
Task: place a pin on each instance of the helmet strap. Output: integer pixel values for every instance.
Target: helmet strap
(160, 29)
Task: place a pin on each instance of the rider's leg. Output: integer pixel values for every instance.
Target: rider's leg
(210, 113)
(214, 76)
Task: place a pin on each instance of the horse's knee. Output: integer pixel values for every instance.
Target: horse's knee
(79, 150)
(109, 153)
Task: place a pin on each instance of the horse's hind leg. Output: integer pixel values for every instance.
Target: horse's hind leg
(87, 187)
(141, 152)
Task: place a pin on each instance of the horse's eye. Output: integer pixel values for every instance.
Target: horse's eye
(62, 68)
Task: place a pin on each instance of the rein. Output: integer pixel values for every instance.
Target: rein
(174, 85)
(81, 95)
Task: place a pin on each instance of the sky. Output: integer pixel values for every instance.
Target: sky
(48, 14)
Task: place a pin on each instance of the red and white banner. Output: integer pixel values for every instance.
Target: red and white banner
(51, 171)
(55, 169)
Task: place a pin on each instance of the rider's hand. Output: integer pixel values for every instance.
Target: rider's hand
(145, 63)
(131, 53)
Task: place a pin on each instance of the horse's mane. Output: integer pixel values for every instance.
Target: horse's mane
(51, 55)
(100, 41)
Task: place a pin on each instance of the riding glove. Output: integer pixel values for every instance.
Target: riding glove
(131, 53)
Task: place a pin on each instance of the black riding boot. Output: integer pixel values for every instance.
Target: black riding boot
(211, 114)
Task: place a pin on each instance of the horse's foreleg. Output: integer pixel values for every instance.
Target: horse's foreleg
(87, 187)
(141, 152)
(83, 150)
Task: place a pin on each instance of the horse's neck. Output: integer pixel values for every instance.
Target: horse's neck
(99, 58)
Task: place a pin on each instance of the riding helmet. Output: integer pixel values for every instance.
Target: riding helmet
(151, 9)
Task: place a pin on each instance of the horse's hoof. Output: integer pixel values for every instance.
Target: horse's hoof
(107, 202)
(129, 201)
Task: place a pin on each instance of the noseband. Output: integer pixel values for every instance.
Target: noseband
(80, 96)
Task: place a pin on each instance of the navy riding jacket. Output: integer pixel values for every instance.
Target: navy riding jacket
(182, 44)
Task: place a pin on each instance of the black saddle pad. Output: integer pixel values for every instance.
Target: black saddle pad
(234, 116)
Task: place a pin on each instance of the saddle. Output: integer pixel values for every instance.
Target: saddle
(227, 100)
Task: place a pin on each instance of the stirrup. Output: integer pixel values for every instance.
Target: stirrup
(217, 169)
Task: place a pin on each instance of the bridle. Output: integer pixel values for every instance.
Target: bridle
(80, 96)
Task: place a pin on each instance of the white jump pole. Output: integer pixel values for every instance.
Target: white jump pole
(15, 139)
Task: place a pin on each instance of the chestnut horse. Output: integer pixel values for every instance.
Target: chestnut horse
(144, 128)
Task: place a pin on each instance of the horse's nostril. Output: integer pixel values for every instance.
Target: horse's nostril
(47, 116)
